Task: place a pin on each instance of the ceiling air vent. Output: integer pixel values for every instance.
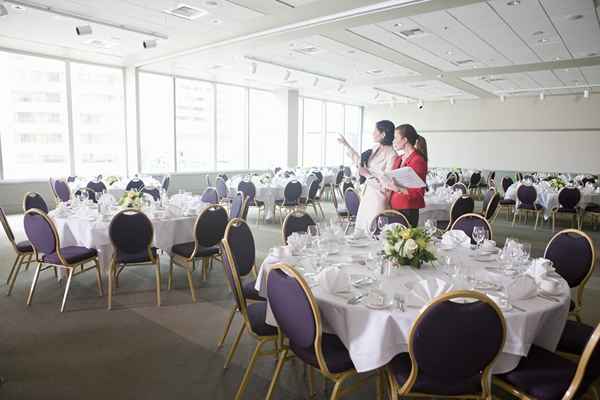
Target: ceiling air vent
(412, 33)
(186, 11)
(464, 62)
(309, 50)
(374, 72)
(419, 85)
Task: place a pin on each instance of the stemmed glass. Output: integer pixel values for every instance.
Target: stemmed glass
(478, 235)
(84, 196)
(430, 227)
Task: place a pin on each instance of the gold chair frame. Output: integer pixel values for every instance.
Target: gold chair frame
(508, 207)
(113, 273)
(527, 211)
(577, 378)
(580, 288)
(285, 221)
(317, 203)
(351, 219)
(65, 265)
(577, 217)
(387, 213)
(288, 209)
(22, 258)
(405, 390)
(478, 216)
(451, 221)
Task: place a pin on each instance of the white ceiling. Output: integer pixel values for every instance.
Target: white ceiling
(351, 50)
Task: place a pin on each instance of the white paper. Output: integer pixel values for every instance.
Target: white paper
(407, 177)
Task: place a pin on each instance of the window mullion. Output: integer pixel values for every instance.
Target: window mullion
(174, 125)
(71, 137)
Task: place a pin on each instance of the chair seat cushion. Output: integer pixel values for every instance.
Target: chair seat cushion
(283, 203)
(135, 258)
(71, 254)
(342, 212)
(542, 374)
(335, 353)
(567, 210)
(187, 249)
(24, 246)
(257, 313)
(401, 367)
(534, 207)
(507, 202)
(574, 337)
(250, 293)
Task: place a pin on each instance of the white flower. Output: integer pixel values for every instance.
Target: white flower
(410, 247)
(398, 246)
(388, 248)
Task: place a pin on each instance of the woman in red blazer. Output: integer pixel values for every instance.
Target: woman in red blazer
(408, 201)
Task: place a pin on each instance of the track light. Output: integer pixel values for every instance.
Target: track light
(377, 95)
(149, 44)
(82, 30)
(316, 81)
(288, 74)
(340, 88)
(586, 93)
(254, 67)
(3, 10)
(542, 96)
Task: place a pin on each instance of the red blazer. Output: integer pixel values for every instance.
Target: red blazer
(414, 197)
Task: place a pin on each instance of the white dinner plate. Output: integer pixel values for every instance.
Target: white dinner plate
(383, 306)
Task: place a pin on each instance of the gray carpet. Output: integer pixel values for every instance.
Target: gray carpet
(140, 351)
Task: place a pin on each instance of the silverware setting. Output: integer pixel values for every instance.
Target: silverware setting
(547, 297)
(357, 299)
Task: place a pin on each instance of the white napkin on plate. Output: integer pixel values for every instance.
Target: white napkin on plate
(540, 268)
(524, 287)
(455, 238)
(334, 280)
(488, 245)
(423, 291)
(296, 242)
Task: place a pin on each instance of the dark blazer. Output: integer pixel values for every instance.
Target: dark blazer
(364, 161)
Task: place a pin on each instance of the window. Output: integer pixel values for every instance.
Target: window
(313, 137)
(195, 125)
(98, 119)
(353, 130)
(267, 145)
(156, 123)
(232, 133)
(335, 127)
(33, 117)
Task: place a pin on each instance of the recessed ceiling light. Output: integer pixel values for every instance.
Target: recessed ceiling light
(542, 40)
(18, 7)
(100, 44)
(397, 25)
(149, 44)
(538, 33)
(216, 21)
(513, 3)
(575, 17)
(211, 3)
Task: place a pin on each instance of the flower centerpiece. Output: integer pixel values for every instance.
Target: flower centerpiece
(109, 180)
(406, 246)
(557, 183)
(131, 199)
(265, 179)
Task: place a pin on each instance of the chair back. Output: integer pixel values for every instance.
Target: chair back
(154, 192)
(221, 187)
(90, 193)
(352, 202)
(573, 254)
(347, 172)
(234, 280)
(166, 182)
(393, 217)
(313, 189)
(239, 241)
(131, 232)
(319, 176)
(588, 179)
(468, 222)
(249, 189)
(238, 206)
(62, 190)
(347, 185)
(339, 177)
(519, 176)
(451, 179)
(34, 200)
(97, 187)
(492, 205)
(506, 183)
(466, 351)
(295, 310)
(487, 197)
(71, 179)
(292, 192)
(586, 372)
(461, 206)
(297, 221)
(7, 229)
(460, 186)
(569, 197)
(527, 194)
(475, 179)
(210, 226)
(41, 232)
(210, 196)
(135, 184)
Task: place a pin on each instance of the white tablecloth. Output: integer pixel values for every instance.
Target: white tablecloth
(374, 337)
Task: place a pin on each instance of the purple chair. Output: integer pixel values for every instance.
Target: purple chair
(239, 206)
(71, 179)
(208, 233)
(450, 362)
(295, 222)
(475, 184)
(166, 182)
(135, 184)
(352, 202)
(237, 259)
(62, 190)
(573, 254)
(451, 179)
(23, 250)
(34, 200)
(568, 199)
(222, 191)
(460, 186)
(291, 198)
(154, 192)
(210, 196)
(90, 193)
(249, 189)
(507, 204)
(48, 253)
(547, 376)
(298, 318)
(491, 199)
(468, 222)
(96, 186)
(387, 217)
(131, 234)
(527, 202)
(340, 210)
(461, 206)
(312, 199)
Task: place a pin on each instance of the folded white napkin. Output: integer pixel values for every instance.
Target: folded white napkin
(334, 280)
(174, 211)
(488, 245)
(524, 287)
(455, 238)
(296, 242)
(423, 291)
(540, 268)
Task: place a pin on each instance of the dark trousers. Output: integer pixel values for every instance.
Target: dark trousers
(412, 215)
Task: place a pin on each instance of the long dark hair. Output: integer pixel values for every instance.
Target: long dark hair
(418, 142)
(387, 128)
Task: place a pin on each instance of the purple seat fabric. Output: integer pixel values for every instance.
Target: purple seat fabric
(296, 223)
(242, 247)
(135, 184)
(475, 180)
(257, 313)
(291, 194)
(352, 202)
(506, 183)
(572, 255)
(401, 367)
(166, 182)
(237, 204)
(135, 258)
(24, 246)
(574, 337)
(248, 189)
(568, 198)
(40, 233)
(71, 254)
(210, 196)
(35, 200)
(90, 193)
(527, 196)
(131, 233)
(97, 187)
(250, 292)
(221, 187)
(187, 250)
(392, 218)
(463, 205)
(492, 206)
(62, 190)
(335, 353)
(487, 197)
(508, 202)
(468, 223)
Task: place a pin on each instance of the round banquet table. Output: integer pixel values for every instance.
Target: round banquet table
(374, 337)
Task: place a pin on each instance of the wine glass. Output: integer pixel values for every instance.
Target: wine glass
(84, 196)
(478, 235)
(430, 227)
(382, 221)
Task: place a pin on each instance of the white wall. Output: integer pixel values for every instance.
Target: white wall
(561, 133)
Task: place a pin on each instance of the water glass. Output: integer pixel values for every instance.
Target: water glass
(478, 235)
(430, 227)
